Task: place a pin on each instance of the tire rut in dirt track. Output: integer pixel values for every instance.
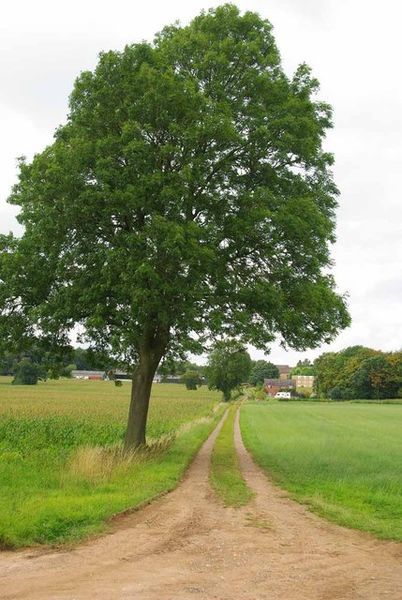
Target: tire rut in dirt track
(186, 545)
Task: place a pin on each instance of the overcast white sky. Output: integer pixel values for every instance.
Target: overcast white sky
(354, 48)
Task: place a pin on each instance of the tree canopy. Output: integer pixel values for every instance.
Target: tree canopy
(229, 365)
(28, 373)
(302, 371)
(359, 372)
(54, 362)
(263, 369)
(191, 379)
(187, 196)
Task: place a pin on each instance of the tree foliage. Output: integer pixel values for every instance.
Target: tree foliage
(359, 372)
(191, 379)
(171, 366)
(305, 369)
(262, 369)
(51, 361)
(228, 366)
(88, 359)
(187, 196)
(28, 373)
(55, 362)
(8, 363)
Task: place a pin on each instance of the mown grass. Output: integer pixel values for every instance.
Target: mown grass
(225, 475)
(343, 460)
(62, 473)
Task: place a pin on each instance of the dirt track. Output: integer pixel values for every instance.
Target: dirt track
(187, 546)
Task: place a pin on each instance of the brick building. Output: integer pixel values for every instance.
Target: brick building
(305, 381)
(273, 386)
(284, 372)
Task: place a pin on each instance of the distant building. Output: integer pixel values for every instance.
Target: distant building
(172, 379)
(284, 371)
(273, 386)
(306, 381)
(97, 375)
(122, 376)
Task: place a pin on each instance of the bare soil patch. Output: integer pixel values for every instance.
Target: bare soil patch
(186, 545)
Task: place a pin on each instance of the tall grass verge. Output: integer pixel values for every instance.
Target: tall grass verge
(63, 473)
(98, 484)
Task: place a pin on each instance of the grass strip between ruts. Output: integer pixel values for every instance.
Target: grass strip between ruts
(226, 478)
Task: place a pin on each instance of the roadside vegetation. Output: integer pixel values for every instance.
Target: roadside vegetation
(341, 459)
(226, 477)
(62, 470)
(358, 372)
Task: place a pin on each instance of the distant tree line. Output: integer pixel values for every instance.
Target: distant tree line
(358, 372)
(260, 370)
(303, 367)
(38, 362)
(229, 366)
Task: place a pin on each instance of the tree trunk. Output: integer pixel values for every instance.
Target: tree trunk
(140, 394)
(227, 394)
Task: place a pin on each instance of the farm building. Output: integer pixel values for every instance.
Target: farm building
(305, 381)
(273, 386)
(172, 379)
(284, 372)
(77, 374)
(122, 376)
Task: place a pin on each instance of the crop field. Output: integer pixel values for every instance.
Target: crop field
(62, 473)
(344, 460)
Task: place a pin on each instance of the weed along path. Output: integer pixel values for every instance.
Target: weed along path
(189, 545)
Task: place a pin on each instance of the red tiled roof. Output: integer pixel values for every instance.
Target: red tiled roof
(280, 382)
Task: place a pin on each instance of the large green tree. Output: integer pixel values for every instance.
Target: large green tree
(229, 365)
(191, 379)
(359, 372)
(335, 369)
(188, 195)
(263, 369)
(28, 373)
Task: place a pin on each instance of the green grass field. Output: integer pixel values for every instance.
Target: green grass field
(344, 460)
(226, 477)
(61, 470)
